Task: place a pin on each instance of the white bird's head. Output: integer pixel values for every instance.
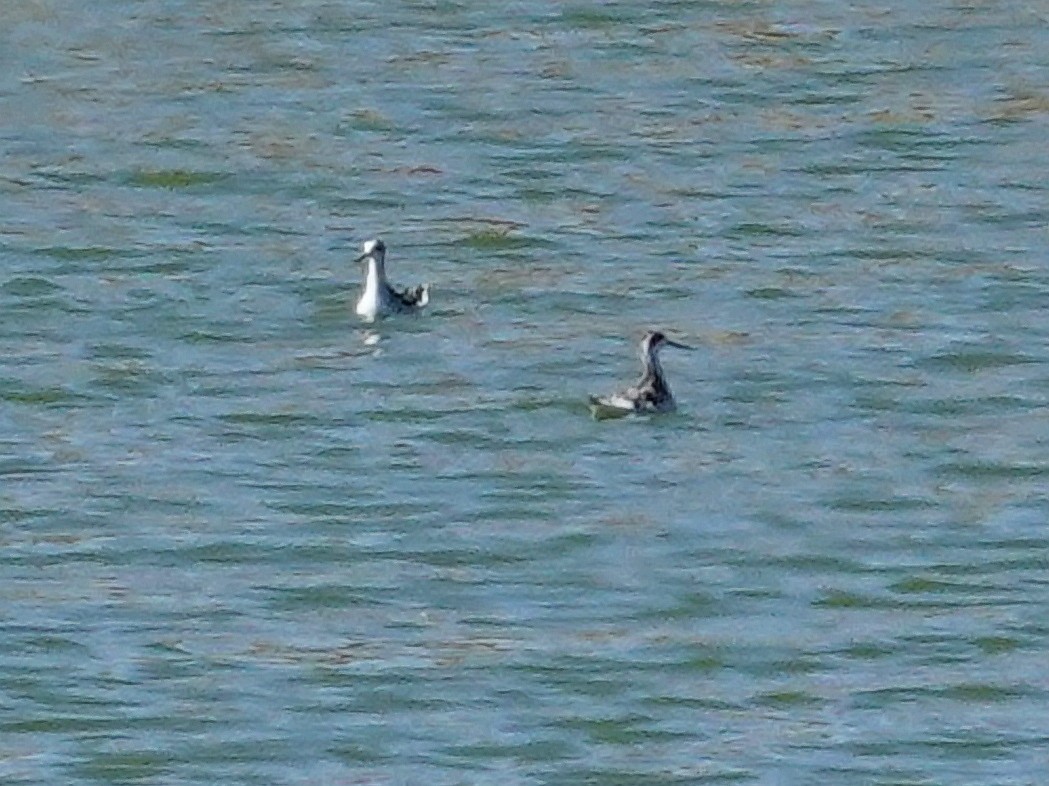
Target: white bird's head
(373, 248)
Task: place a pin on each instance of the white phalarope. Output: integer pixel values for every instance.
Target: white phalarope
(650, 394)
(378, 297)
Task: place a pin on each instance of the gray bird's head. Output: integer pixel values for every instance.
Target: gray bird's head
(655, 341)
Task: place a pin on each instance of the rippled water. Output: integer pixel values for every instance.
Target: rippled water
(248, 540)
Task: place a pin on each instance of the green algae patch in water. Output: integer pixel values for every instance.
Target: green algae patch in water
(83, 253)
(367, 120)
(786, 699)
(494, 239)
(175, 179)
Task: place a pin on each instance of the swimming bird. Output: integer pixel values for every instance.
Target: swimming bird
(650, 394)
(378, 297)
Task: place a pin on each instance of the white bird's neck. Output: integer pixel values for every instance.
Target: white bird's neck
(376, 274)
(372, 298)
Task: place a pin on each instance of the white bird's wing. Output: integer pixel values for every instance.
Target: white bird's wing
(413, 297)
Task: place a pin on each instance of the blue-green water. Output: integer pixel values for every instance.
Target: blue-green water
(247, 540)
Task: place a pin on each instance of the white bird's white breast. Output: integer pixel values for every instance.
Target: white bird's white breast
(370, 304)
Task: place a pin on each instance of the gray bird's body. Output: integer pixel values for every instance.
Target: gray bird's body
(651, 393)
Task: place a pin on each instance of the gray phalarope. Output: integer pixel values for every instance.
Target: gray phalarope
(378, 297)
(650, 394)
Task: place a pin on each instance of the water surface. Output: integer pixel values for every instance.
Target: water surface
(246, 539)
